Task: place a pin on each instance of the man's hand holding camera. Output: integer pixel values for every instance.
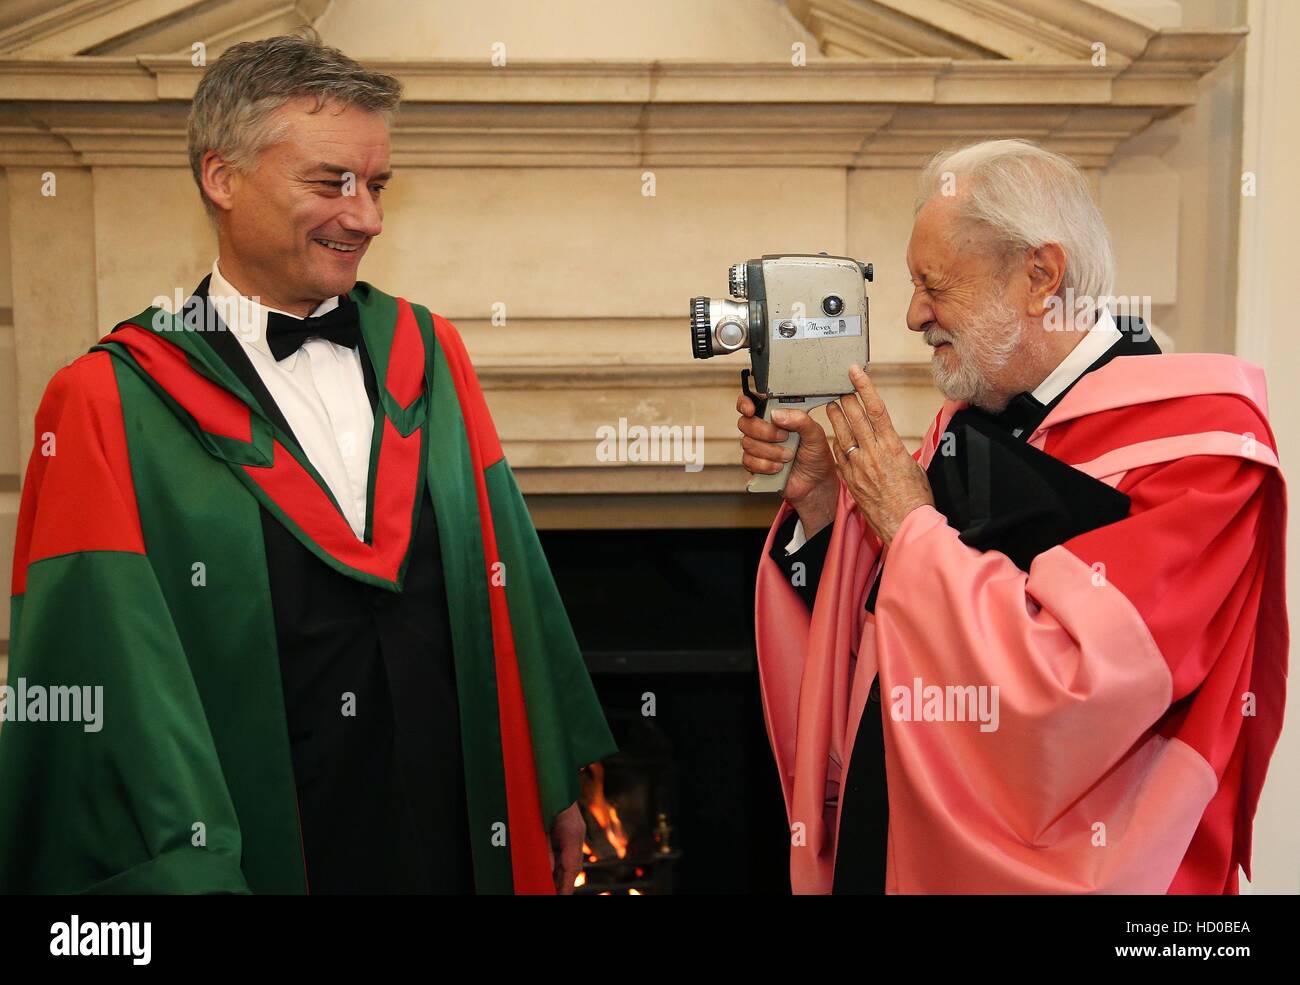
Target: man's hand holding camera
(812, 488)
(881, 475)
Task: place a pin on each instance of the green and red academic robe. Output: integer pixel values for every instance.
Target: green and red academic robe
(141, 566)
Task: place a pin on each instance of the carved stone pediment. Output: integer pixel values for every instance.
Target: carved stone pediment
(887, 83)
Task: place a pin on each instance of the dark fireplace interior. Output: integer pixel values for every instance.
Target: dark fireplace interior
(691, 803)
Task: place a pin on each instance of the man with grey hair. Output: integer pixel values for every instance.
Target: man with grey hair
(277, 526)
(1047, 652)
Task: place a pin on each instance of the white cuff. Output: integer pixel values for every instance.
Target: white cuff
(798, 540)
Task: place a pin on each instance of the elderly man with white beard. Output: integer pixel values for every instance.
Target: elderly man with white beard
(1047, 652)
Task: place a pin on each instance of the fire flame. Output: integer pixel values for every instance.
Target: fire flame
(605, 814)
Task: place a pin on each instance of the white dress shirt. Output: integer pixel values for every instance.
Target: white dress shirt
(319, 389)
(1103, 334)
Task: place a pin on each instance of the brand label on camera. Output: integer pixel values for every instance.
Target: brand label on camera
(816, 328)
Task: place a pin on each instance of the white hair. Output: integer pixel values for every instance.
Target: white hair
(1027, 197)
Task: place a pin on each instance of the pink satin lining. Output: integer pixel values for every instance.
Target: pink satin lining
(807, 702)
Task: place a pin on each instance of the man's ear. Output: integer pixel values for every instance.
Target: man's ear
(1046, 268)
(218, 179)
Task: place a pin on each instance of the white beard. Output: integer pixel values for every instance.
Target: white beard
(983, 348)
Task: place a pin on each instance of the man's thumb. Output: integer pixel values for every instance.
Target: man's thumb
(796, 420)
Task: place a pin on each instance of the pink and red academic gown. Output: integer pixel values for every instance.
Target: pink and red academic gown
(1140, 667)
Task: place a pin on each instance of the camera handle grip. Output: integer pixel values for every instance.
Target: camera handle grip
(775, 482)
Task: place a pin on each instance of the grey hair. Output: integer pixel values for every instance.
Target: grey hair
(1028, 196)
(250, 81)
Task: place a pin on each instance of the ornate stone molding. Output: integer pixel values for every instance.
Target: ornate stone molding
(832, 112)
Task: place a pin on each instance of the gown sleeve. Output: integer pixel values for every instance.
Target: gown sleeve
(130, 798)
(1085, 774)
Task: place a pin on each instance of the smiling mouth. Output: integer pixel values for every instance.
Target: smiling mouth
(338, 247)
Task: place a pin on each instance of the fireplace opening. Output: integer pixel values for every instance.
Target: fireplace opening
(691, 803)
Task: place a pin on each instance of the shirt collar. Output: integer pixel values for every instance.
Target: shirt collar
(246, 317)
(1094, 344)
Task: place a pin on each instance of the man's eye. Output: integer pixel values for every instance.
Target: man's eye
(377, 188)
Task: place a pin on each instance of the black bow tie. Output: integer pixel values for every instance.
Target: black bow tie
(1022, 413)
(286, 334)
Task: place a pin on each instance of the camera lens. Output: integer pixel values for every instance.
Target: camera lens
(718, 326)
(832, 305)
(701, 328)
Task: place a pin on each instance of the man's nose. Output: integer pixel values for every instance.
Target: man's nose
(919, 312)
(363, 215)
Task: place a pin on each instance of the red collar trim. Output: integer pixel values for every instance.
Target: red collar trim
(285, 485)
